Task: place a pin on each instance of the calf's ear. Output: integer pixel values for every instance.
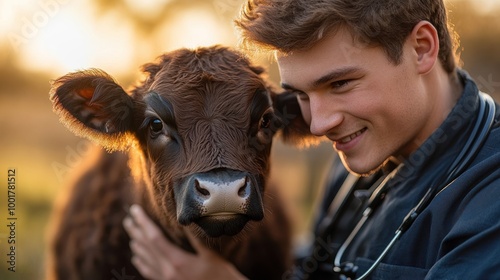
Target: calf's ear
(92, 105)
(294, 130)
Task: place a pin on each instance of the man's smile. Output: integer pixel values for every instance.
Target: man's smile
(348, 138)
(347, 142)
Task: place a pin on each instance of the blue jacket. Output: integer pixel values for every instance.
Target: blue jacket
(456, 237)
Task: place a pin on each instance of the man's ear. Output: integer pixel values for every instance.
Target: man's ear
(425, 41)
(294, 130)
(92, 105)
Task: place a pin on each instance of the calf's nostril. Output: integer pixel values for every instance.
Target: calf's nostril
(200, 189)
(241, 192)
(244, 189)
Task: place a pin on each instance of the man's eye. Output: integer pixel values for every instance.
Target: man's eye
(156, 125)
(340, 84)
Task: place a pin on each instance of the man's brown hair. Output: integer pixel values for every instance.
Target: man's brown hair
(287, 25)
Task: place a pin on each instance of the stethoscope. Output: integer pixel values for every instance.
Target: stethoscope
(476, 139)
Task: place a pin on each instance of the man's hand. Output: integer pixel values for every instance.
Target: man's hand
(157, 258)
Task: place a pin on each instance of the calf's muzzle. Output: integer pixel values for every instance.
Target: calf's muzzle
(220, 201)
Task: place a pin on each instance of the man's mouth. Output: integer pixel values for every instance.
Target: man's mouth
(348, 138)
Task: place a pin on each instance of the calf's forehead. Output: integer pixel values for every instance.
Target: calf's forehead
(210, 88)
(214, 112)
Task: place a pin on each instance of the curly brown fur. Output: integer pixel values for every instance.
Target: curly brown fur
(216, 112)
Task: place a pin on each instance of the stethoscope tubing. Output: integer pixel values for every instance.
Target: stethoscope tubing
(463, 159)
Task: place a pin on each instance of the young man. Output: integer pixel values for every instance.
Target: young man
(379, 79)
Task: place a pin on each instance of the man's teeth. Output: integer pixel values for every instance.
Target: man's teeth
(350, 137)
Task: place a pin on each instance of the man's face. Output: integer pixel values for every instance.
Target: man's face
(369, 107)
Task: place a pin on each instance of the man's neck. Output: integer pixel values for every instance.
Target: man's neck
(444, 90)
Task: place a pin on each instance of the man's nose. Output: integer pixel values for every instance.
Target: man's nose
(324, 116)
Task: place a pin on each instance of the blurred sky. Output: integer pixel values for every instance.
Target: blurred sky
(41, 40)
(58, 36)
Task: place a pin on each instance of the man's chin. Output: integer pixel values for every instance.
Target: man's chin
(359, 167)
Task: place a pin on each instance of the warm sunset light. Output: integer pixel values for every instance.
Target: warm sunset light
(61, 36)
(486, 6)
(70, 43)
(147, 8)
(196, 27)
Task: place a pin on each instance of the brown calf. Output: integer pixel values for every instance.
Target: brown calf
(191, 144)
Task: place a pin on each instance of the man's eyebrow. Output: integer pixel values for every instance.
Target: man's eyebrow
(335, 75)
(288, 87)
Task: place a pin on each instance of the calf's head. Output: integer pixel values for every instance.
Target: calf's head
(202, 119)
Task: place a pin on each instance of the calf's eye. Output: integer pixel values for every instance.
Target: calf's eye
(267, 119)
(265, 122)
(156, 125)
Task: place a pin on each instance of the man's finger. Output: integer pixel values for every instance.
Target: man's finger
(154, 237)
(132, 229)
(145, 254)
(146, 270)
(198, 246)
(150, 230)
